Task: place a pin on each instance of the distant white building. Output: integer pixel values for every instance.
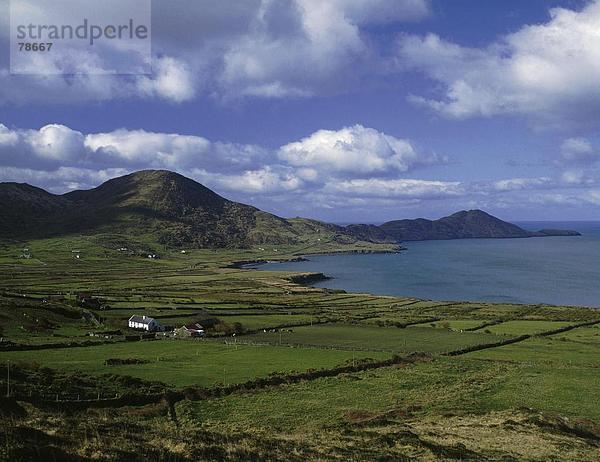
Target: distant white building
(144, 323)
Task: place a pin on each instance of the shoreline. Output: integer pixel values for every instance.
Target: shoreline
(247, 264)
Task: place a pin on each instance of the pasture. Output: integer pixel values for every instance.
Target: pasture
(180, 363)
(415, 339)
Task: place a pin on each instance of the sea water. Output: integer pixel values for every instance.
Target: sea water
(552, 270)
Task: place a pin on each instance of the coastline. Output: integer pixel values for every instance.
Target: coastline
(248, 264)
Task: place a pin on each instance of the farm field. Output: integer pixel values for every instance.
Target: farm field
(525, 327)
(184, 363)
(548, 351)
(336, 376)
(417, 339)
(454, 324)
(326, 401)
(583, 335)
(551, 374)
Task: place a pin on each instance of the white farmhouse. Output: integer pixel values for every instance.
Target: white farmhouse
(144, 323)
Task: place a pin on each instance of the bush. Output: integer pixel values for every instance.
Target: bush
(124, 361)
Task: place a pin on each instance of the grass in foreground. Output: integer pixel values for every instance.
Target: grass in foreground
(438, 386)
(551, 374)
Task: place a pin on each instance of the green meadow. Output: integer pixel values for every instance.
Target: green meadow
(416, 339)
(180, 363)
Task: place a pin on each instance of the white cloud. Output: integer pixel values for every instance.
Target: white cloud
(402, 188)
(351, 152)
(257, 48)
(548, 71)
(139, 147)
(60, 179)
(56, 145)
(580, 177)
(172, 80)
(270, 61)
(7, 137)
(518, 184)
(578, 150)
(55, 142)
(266, 180)
(354, 151)
(592, 197)
(286, 38)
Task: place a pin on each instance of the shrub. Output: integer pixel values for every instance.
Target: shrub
(124, 361)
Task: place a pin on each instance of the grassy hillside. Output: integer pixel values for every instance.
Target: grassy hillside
(471, 224)
(169, 209)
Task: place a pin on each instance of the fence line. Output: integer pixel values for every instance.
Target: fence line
(311, 346)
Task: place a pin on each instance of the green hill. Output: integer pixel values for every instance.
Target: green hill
(170, 208)
(461, 225)
(470, 224)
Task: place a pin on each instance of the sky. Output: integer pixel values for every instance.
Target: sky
(340, 110)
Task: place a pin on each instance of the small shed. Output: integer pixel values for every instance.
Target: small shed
(144, 323)
(191, 330)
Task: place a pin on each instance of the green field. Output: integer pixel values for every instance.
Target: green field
(552, 374)
(417, 339)
(453, 324)
(584, 335)
(548, 351)
(516, 328)
(182, 363)
(269, 320)
(438, 386)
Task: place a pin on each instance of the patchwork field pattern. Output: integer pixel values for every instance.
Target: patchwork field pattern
(286, 372)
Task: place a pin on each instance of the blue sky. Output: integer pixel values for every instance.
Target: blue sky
(342, 110)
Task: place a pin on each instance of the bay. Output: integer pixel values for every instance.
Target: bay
(551, 270)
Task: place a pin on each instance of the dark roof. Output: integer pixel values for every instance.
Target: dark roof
(141, 319)
(195, 326)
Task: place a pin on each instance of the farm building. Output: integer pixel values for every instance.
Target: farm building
(88, 301)
(191, 330)
(144, 323)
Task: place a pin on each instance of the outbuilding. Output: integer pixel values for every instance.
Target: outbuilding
(191, 330)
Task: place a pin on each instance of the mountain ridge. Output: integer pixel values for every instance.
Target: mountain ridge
(178, 211)
(460, 225)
